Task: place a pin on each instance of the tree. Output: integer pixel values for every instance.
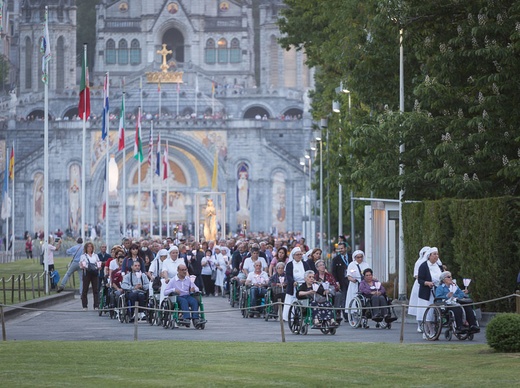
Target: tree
(461, 83)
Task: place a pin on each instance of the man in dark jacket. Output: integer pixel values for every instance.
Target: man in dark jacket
(339, 271)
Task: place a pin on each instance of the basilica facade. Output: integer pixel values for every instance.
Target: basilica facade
(208, 79)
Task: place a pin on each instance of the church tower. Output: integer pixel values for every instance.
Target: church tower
(62, 35)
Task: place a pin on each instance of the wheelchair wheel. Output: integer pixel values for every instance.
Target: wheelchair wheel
(355, 313)
(102, 300)
(166, 316)
(295, 318)
(268, 310)
(433, 328)
(305, 329)
(233, 293)
(153, 315)
(242, 303)
(122, 311)
(448, 334)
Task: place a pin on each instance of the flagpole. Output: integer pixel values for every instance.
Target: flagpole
(196, 92)
(166, 173)
(107, 128)
(150, 153)
(139, 161)
(160, 189)
(160, 98)
(46, 193)
(178, 92)
(122, 123)
(213, 98)
(12, 204)
(6, 194)
(84, 153)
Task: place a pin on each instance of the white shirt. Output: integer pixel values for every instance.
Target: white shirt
(298, 271)
(170, 266)
(249, 265)
(256, 279)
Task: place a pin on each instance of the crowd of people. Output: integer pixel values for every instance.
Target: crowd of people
(289, 268)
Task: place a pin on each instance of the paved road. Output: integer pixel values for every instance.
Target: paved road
(68, 321)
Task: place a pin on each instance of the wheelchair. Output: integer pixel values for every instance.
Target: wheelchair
(124, 309)
(358, 314)
(170, 315)
(154, 316)
(438, 317)
(245, 304)
(104, 299)
(300, 319)
(234, 292)
(271, 311)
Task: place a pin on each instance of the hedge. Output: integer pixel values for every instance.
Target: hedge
(477, 239)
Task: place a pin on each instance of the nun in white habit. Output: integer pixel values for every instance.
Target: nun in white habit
(355, 275)
(295, 273)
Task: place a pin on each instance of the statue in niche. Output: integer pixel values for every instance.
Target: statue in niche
(210, 221)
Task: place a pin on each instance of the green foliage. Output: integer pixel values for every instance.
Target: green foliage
(477, 239)
(502, 333)
(461, 74)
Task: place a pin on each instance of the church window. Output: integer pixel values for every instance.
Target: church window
(135, 52)
(110, 54)
(28, 60)
(60, 14)
(222, 51)
(234, 52)
(60, 64)
(122, 52)
(210, 52)
(10, 6)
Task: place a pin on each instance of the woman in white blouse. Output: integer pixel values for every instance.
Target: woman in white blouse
(90, 263)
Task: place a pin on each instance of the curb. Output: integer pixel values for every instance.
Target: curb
(11, 312)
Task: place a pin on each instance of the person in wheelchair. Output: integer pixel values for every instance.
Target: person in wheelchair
(278, 282)
(322, 276)
(449, 292)
(136, 284)
(318, 297)
(376, 294)
(116, 278)
(257, 281)
(182, 286)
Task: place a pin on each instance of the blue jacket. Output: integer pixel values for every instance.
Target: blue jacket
(443, 290)
(76, 251)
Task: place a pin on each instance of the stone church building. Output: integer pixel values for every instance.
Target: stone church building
(229, 104)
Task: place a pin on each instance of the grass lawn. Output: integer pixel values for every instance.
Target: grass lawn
(31, 268)
(182, 363)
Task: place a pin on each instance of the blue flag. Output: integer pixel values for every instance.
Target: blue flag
(104, 129)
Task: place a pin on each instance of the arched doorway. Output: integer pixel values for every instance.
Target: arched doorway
(256, 112)
(174, 41)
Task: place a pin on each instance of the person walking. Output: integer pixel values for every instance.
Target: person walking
(90, 264)
(76, 251)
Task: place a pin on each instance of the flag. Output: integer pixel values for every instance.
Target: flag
(138, 145)
(214, 179)
(106, 108)
(159, 85)
(84, 90)
(212, 88)
(6, 201)
(122, 125)
(11, 164)
(150, 147)
(158, 156)
(45, 49)
(105, 188)
(165, 162)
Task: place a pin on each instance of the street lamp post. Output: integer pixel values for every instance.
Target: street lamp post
(402, 269)
(309, 233)
(319, 139)
(302, 163)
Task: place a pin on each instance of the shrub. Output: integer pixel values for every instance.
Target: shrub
(502, 333)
